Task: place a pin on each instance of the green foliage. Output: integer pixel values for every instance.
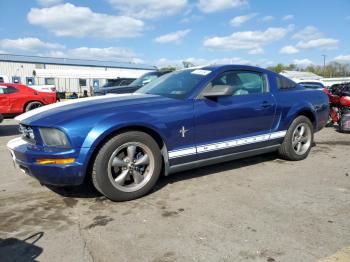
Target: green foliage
(167, 69)
(280, 67)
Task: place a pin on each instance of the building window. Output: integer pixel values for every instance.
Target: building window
(82, 82)
(49, 81)
(16, 79)
(30, 81)
(2, 79)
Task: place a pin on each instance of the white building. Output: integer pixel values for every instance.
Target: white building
(70, 75)
(298, 77)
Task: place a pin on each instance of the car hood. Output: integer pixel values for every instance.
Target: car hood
(91, 107)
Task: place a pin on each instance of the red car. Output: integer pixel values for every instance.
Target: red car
(17, 98)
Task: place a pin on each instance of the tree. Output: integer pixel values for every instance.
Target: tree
(167, 69)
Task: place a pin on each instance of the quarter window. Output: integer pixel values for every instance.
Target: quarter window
(285, 83)
(243, 82)
(10, 90)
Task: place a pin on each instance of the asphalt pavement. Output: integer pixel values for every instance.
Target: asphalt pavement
(256, 209)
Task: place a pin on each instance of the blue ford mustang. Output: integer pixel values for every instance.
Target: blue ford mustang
(183, 120)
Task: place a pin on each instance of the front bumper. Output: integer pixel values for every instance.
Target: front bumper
(25, 155)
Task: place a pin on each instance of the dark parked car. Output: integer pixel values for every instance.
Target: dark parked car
(120, 81)
(312, 85)
(137, 84)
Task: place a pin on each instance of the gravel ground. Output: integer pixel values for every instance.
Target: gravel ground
(255, 209)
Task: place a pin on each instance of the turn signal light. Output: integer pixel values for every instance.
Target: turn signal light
(62, 161)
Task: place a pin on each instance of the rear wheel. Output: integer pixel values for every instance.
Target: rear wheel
(33, 105)
(298, 140)
(127, 166)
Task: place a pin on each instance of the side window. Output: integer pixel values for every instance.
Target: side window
(10, 90)
(7, 90)
(243, 82)
(285, 83)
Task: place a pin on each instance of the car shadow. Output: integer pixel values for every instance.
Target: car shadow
(13, 249)
(9, 130)
(213, 169)
(88, 191)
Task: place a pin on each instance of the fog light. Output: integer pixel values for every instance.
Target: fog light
(62, 161)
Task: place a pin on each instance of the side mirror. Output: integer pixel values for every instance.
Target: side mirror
(218, 90)
(146, 81)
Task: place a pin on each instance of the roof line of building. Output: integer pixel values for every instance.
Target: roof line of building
(71, 61)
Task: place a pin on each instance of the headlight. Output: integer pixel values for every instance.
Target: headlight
(54, 137)
(27, 133)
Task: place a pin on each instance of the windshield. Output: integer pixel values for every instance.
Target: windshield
(145, 79)
(178, 84)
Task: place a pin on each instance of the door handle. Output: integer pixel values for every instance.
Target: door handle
(266, 104)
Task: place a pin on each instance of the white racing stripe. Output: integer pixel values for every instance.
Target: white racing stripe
(182, 152)
(278, 134)
(16, 142)
(225, 144)
(62, 104)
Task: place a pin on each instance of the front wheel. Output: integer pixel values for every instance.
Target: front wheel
(127, 166)
(298, 140)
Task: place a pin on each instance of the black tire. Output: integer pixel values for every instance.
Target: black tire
(286, 151)
(101, 174)
(33, 105)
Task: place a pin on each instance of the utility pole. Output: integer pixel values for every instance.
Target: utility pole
(324, 65)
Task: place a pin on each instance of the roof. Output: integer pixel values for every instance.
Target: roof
(300, 75)
(74, 62)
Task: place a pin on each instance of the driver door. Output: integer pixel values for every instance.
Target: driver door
(236, 123)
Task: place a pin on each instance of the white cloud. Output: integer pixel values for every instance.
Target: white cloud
(148, 9)
(308, 33)
(108, 53)
(70, 20)
(28, 44)
(172, 37)
(302, 62)
(210, 6)
(268, 18)
(239, 20)
(191, 18)
(49, 2)
(311, 38)
(289, 49)
(320, 43)
(288, 17)
(256, 51)
(342, 58)
(163, 62)
(35, 46)
(246, 40)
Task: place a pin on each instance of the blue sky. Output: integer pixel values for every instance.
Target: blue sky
(168, 32)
